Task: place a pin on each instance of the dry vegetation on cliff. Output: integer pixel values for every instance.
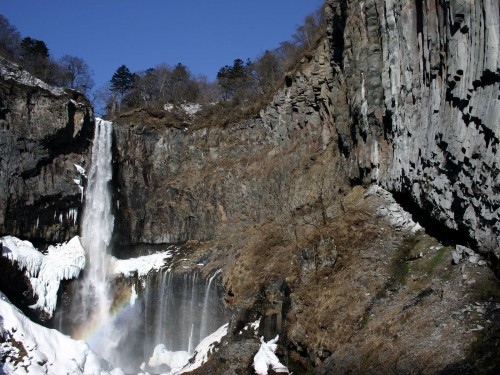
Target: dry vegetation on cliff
(360, 295)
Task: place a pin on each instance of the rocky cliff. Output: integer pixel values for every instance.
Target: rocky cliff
(418, 106)
(404, 95)
(400, 94)
(44, 132)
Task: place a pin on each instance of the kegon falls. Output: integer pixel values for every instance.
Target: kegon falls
(150, 318)
(330, 205)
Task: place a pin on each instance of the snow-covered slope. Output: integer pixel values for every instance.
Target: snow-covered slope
(29, 348)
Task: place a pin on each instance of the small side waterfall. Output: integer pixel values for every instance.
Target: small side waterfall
(181, 310)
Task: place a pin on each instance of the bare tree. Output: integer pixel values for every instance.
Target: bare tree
(10, 40)
(267, 71)
(76, 73)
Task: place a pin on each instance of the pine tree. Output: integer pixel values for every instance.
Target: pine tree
(122, 80)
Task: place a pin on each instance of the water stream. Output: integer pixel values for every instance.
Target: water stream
(97, 227)
(172, 311)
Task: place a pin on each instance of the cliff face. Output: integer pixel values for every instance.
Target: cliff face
(401, 94)
(404, 94)
(44, 131)
(419, 107)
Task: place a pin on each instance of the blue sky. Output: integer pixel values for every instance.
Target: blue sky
(202, 34)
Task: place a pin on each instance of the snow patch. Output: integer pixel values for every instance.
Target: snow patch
(80, 170)
(62, 262)
(142, 265)
(181, 362)
(191, 108)
(397, 216)
(174, 360)
(266, 358)
(10, 71)
(204, 349)
(29, 348)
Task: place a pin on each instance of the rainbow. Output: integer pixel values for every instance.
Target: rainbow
(97, 325)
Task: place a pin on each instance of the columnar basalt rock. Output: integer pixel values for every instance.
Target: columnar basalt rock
(44, 132)
(423, 80)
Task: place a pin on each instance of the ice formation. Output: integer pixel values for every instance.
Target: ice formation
(62, 262)
(266, 358)
(142, 265)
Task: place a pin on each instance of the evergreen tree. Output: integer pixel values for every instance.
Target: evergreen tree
(35, 58)
(33, 48)
(235, 81)
(122, 80)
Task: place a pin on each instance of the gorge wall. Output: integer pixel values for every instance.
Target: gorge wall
(44, 132)
(402, 94)
(421, 81)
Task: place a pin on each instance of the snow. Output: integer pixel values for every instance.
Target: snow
(80, 170)
(397, 216)
(29, 348)
(253, 326)
(13, 72)
(204, 349)
(191, 108)
(174, 360)
(266, 358)
(62, 262)
(180, 361)
(142, 265)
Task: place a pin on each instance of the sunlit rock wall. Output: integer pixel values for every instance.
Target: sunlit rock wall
(403, 93)
(419, 100)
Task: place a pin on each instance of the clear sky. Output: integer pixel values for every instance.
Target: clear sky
(202, 34)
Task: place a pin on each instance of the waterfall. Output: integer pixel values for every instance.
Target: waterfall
(97, 226)
(180, 310)
(208, 307)
(172, 310)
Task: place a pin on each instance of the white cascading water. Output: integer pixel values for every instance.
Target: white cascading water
(175, 311)
(97, 227)
(180, 310)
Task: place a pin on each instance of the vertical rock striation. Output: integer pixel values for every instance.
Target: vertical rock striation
(422, 82)
(405, 94)
(44, 132)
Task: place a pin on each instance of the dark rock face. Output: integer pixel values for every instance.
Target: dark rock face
(44, 131)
